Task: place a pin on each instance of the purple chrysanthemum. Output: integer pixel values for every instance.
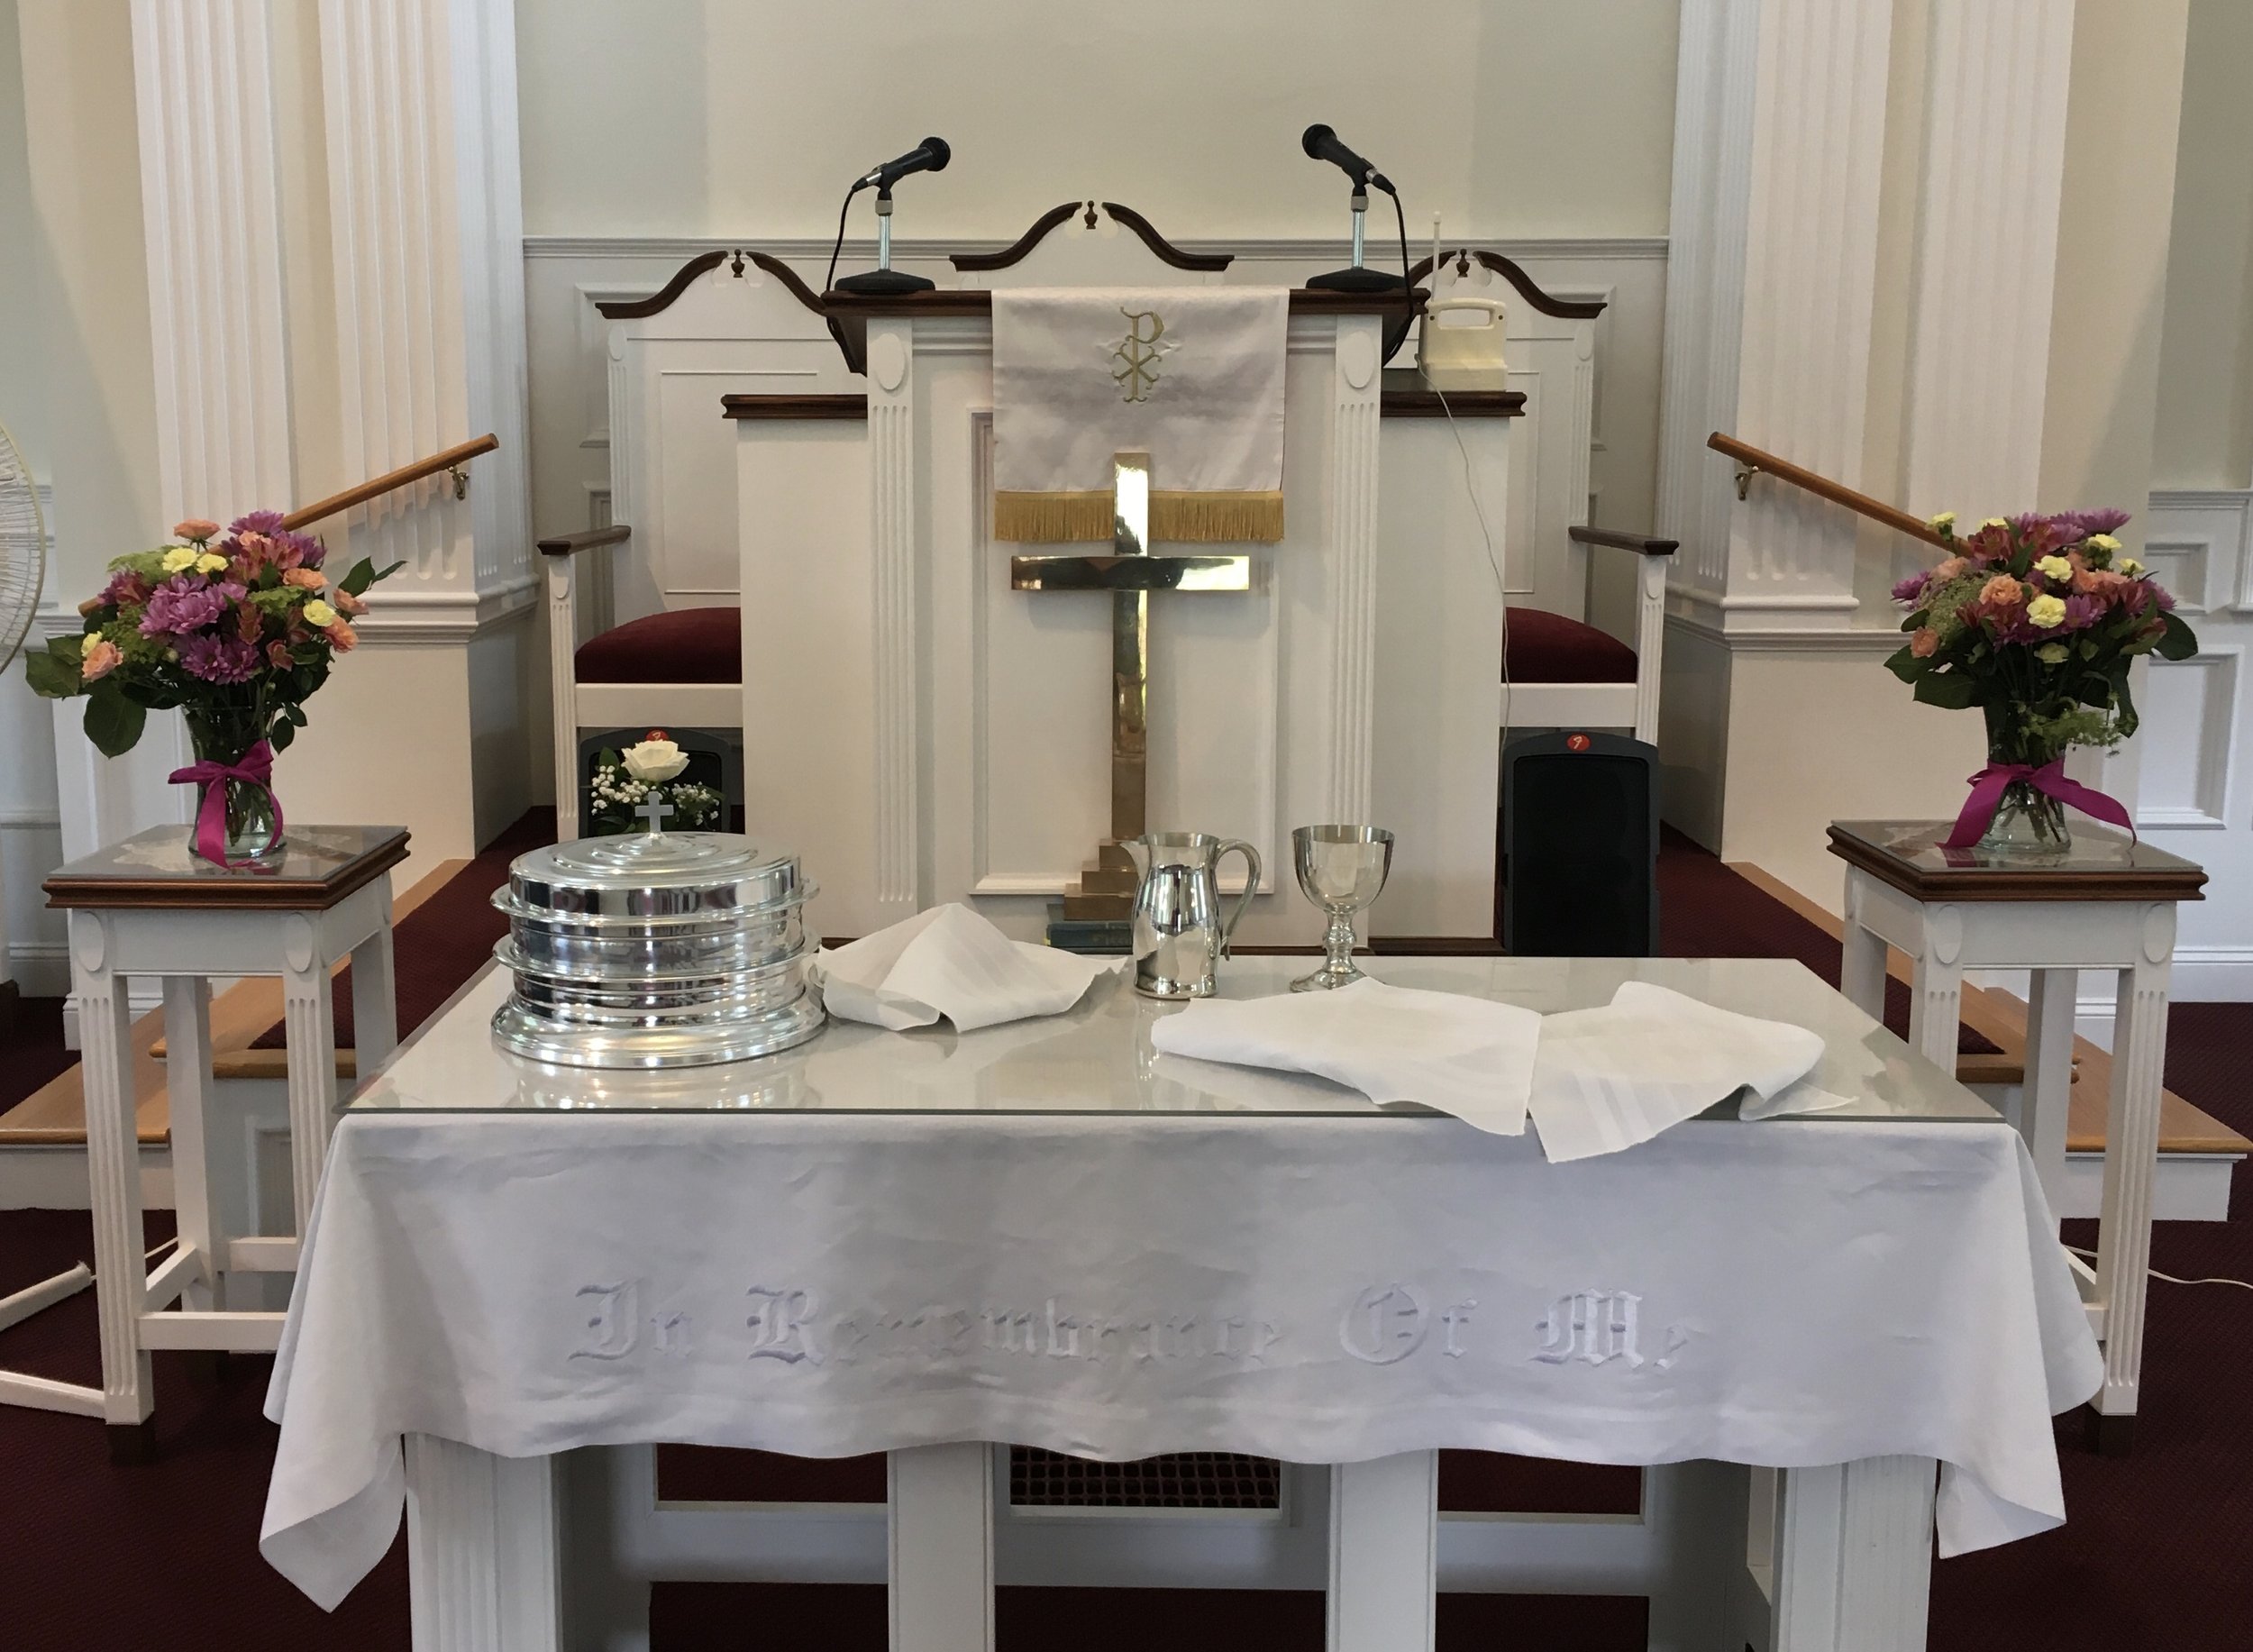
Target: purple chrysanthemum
(1910, 588)
(125, 586)
(219, 659)
(266, 522)
(182, 604)
(2082, 611)
(2085, 522)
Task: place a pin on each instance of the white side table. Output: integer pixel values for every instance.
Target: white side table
(148, 906)
(2108, 904)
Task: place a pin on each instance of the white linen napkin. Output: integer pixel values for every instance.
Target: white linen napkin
(1607, 1078)
(951, 961)
(1469, 1056)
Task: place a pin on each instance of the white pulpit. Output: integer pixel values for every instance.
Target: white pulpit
(922, 732)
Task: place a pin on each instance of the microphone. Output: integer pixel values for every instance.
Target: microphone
(1322, 144)
(929, 156)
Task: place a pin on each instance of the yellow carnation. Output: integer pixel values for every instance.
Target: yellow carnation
(179, 557)
(2056, 567)
(2052, 653)
(2102, 542)
(211, 561)
(1995, 522)
(2045, 612)
(1946, 519)
(2130, 566)
(320, 616)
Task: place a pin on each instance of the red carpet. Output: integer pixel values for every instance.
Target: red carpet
(2156, 1555)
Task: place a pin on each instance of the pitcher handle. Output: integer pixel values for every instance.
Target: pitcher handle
(1250, 886)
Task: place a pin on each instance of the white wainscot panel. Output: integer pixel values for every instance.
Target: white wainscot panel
(2189, 730)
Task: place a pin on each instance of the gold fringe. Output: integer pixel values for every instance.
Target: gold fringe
(1184, 518)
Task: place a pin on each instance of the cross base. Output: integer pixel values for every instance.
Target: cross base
(1106, 891)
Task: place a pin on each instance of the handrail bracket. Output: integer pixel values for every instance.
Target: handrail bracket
(1745, 473)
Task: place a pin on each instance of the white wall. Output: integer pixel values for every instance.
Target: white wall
(694, 117)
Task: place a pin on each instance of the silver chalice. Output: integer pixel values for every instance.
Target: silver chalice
(1341, 868)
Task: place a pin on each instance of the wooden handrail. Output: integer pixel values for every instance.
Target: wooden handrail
(1752, 460)
(585, 539)
(1580, 533)
(338, 503)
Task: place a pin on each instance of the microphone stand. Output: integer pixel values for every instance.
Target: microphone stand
(1360, 278)
(884, 281)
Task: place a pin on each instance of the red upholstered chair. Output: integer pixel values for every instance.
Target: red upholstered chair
(680, 669)
(1566, 674)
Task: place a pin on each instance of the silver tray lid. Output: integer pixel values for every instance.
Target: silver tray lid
(642, 876)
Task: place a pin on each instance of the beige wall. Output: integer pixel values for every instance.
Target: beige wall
(2122, 114)
(683, 118)
(23, 373)
(2204, 435)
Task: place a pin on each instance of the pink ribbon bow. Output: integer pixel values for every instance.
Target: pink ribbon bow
(256, 768)
(1986, 797)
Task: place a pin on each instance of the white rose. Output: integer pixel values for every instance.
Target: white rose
(655, 760)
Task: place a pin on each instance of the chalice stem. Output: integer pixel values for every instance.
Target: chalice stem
(1339, 942)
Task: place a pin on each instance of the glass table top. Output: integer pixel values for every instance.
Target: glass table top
(1097, 1057)
(310, 854)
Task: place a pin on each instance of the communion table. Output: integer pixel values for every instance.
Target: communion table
(1045, 1233)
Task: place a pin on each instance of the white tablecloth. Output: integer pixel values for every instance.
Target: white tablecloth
(1318, 1289)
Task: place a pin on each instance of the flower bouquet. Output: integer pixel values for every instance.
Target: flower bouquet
(626, 783)
(235, 631)
(2036, 621)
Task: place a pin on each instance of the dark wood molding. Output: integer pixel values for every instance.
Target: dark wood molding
(1406, 396)
(2144, 875)
(979, 301)
(832, 405)
(235, 894)
(1165, 250)
(661, 300)
(1580, 533)
(1564, 309)
(1018, 251)
(590, 539)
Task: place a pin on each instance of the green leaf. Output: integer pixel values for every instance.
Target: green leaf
(280, 735)
(1950, 690)
(1904, 664)
(2178, 640)
(52, 677)
(363, 574)
(112, 721)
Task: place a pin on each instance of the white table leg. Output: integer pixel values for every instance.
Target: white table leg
(1384, 1547)
(941, 1549)
(1861, 956)
(187, 1094)
(1854, 1557)
(1935, 994)
(375, 996)
(112, 1151)
(309, 1025)
(481, 1550)
(2047, 1089)
(2132, 1156)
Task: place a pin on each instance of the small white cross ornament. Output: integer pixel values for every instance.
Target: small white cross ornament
(654, 811)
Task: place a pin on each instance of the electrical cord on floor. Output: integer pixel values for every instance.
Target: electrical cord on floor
(2240, 1283)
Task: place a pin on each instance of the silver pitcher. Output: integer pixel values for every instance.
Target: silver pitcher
(1179, 934)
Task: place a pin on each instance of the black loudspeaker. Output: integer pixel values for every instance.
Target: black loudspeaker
(1580, 846)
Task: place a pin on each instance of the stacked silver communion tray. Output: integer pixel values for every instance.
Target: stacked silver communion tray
(657, 949)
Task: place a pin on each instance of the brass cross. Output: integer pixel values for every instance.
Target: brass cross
(1130, 573)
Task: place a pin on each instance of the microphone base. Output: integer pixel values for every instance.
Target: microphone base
(1359, 279)
(885, 284)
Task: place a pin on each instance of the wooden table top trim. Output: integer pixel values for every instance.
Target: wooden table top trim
(2182, 880)
(244, 894)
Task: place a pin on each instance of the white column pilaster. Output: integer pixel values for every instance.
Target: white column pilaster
(1996, 73)
(419, 105)
(1780, 141)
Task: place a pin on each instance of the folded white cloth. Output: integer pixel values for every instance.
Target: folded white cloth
(951, 961)
(1193, 376)
(1607, 1078)
(1470, 1056)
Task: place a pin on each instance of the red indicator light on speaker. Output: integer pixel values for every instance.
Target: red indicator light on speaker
(1576, 743)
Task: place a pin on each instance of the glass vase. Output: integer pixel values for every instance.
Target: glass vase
(2029, 825)
(254, 829)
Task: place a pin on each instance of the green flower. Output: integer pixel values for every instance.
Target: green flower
(2052, 653)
